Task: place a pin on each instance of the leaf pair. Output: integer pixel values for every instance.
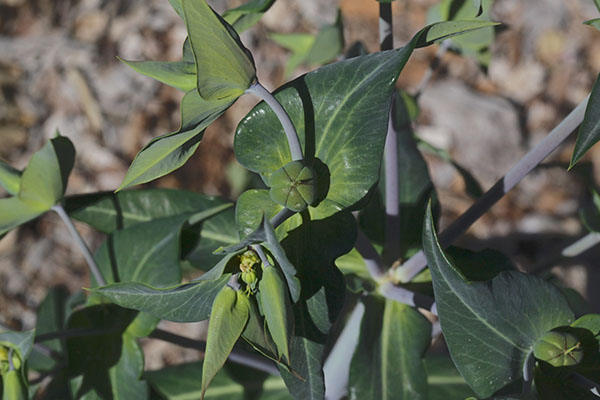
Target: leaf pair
(216, 69)
(39, 187)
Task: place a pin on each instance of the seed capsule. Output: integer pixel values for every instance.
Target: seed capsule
(559, 349)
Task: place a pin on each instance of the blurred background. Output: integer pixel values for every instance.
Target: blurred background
(58, 70)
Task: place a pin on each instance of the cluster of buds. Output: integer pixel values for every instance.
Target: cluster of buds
(248, 260)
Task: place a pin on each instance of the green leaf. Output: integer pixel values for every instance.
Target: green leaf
(299, 44)
(328, 44)
(10, 178)
(444, 380)
(332, 130)
(589, 132)
(490, 327)
(108, 211)
(188, 302)
(176, 4)
(597, 2)
(180, 382)
(126, 375)
(178, 74)
(277, 308)
(51, 317)
(587, 330)
(44, 180)
(14, 212)
(593, 22)
(414, 188)
(92, 356)
(388, 362)
(168, 152)
(21, 342)
(479, 265)
(246, 15)
(228, 318)
(313, 248)
(225, 68)
(146, 253)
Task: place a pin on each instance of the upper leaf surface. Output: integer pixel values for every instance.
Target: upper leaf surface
(14, 212)
(44, 180)
(168, 152)
(10, 178)
(178, 74)
(490, 327)
(225, 68)
(329, 108)
(589, 133)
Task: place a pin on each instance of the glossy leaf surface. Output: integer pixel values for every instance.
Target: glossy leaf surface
(388, 362)
(225, 68)
(497, 320)
(188, 302)
(329, 108)
(228, 318)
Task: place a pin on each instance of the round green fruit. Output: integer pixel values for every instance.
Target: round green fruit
(559, 349)
(294, 186)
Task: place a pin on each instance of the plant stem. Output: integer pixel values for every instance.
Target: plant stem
(236, 356)
(582, 245)
(416, 263)
(290, 131)
(392, 204)
(528, 366)
(261, 254)
(87, 254)
(405, 296)
(373, 261)
(280, 217)
(337, 365)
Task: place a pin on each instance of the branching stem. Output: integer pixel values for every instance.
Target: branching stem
(87, 254)
(290, 131)
(416, 263)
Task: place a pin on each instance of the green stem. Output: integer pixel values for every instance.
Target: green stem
(290, 131)
(87, 254)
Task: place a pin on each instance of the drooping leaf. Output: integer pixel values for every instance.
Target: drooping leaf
(332, 129)
(108, 211)
(168, 152)
(181, 382)
(10, 178)
(228, 318)
(277, 309)
(490, 327)
(313, 248)
(225, 68)
(188, 302)
(178, 74)
(246, 15)
(589, 133)
(388, 362)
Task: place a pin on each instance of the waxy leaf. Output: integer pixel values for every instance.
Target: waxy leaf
(42, 184)
(168, 152)
(491, 327)
(10, 178)
(228, 318)
(277, 308)
(178, 74)
(589, 133)
(246, 15)
(108, 211)
(225, 68)
(188, 302)
(329, 108)
(388, 362)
